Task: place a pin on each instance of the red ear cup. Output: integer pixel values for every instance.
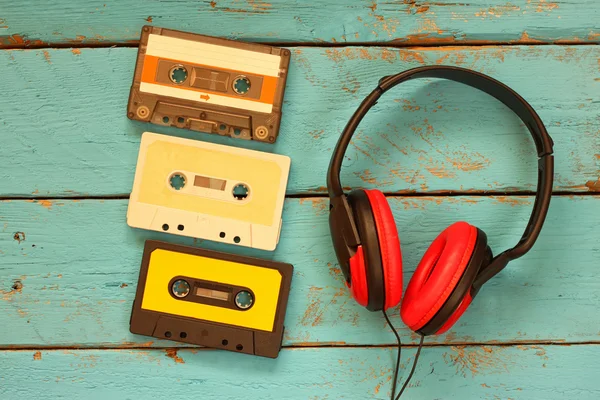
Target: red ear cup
(389, 246)
(358, 288)
(438, 274)
(466, 302)
(366, 262)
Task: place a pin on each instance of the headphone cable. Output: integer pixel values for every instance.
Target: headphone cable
(412, 371)
(399, 354)
(395, 381)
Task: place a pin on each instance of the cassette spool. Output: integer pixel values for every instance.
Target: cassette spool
(211, 299)
(209, 84)
(208, 191)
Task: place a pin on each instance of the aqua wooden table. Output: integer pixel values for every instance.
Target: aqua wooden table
(440, 151)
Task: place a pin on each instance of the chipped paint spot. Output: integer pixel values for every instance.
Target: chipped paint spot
(512, 200)
(213, 4)
(409, 55)
(477, 359)
(316, 134)
(45, 203)
(543, 5)
(440, 172)
(17, 40)
(37, 355)
(47, 56)
(525, 38)
(497, 11)
(123, 285)
(19, 236)
(319, 204)
(149, 19)
(17, 287)
(593, 186)
(76, 51)
(172, 353)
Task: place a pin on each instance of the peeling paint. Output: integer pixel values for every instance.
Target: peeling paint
(17, 40)
(172, 353)
(19, 236)
(593, 186)
(45, 203)
(477, 360)
(37, 355)
(47, 56)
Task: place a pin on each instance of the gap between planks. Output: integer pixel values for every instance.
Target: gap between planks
(394, 44)
(125, 196)
(323, 345)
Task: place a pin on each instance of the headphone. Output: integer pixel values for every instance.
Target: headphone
(459, 261)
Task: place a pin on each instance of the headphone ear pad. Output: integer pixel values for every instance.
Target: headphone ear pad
(437, 275)
(389, 247)
(367, 279)
(358, 286)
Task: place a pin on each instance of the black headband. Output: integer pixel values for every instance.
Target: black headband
(500, 91)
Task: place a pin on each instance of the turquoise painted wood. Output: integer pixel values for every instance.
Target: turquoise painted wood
(338, 21)
(489, 372)
(64, 129)
(76, 265)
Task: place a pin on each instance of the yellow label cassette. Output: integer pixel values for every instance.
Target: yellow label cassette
(208, 191)
(211, 299)
(209, 84)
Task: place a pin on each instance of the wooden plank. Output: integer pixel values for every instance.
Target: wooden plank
(69, 272)
(403, 22)
(65, 131)
(521, 372)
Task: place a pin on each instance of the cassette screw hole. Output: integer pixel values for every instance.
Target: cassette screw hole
(180, 227)
(181, 120)
(179, 75)
(240, 191)
(180, 288)
(237, 239)
(165, 227)
(244, 300)
(224, 342)
(239, 347)
(177, 181)
(183, 335)
(241, 85)
(237, 132)
(167, 334)
(222, 127)
(222, 235)
(166, 120)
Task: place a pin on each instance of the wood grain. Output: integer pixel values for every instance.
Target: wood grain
(69, 270)
(488, 372)
(407, 22)
(65, 132)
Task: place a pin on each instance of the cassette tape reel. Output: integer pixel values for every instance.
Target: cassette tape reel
(211, 299)
(209, 84)
(208, 191)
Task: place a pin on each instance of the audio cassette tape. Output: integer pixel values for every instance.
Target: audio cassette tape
(209, 84)
(211, 299)
(208, 191)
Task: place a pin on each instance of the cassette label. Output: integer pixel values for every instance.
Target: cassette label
(235, 88)
(211, 299)
(208, 191)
